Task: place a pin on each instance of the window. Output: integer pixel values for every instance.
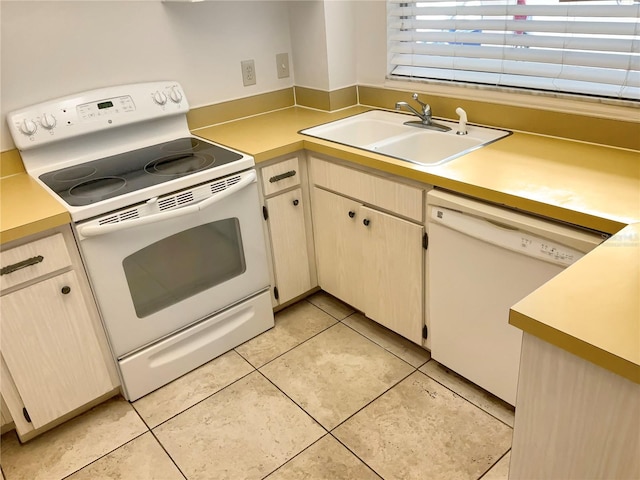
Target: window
(589, 47)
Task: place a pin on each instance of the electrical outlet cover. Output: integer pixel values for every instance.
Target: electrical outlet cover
(248, 72)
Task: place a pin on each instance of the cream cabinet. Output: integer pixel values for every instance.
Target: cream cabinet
(54, 355)
(366, 254)
(287, 220)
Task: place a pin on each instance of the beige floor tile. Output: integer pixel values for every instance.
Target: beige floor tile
(331, 305)
(419, 429)
(500, 471)
(191, 388)
(474, 394)
(394, 343)
(335, 374)
(140, 459)
(242, 432)
(294, 325)
(72, 445)
(326, 459)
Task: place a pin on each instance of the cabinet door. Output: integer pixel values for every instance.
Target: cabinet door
(394, 275)
(51, 349)
(338, 240)
(289, 244)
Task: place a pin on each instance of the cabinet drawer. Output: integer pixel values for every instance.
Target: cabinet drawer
(32, 260)
(380, 192)
(280, 176)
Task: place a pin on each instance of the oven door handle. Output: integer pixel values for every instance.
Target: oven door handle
(96, 230)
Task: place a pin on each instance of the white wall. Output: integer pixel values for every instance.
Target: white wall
(371, 42)
(341, 43)
(323, 40)
(309, 44)
(55, 48)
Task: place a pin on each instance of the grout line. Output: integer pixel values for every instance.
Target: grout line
(296, 346)
(495, 463)
(375, 398)
(463, 397)
(200, 401)
(296, 455)
(326, 312)
(294, 402)
(106, 454)
(382, 346)
(356, 455)
(168, 454)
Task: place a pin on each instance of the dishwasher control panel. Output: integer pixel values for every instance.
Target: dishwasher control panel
(505, 236)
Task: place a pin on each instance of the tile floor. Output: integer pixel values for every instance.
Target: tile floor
(326, 394)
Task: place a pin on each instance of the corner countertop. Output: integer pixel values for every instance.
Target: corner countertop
(594, 186)
(590, 309)
(593, 308)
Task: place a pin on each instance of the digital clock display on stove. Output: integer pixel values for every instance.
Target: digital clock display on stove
(103, 105)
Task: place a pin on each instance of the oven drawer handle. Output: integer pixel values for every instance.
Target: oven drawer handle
(96, 230)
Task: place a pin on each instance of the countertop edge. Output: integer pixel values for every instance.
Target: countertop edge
(37, 226)
(571, 344)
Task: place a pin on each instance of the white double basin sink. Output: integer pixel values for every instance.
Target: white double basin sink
(385, 132)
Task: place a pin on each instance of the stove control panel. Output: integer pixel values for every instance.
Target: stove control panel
(94, 111)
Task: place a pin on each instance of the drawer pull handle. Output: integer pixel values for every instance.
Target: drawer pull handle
(296, 202)
(25, 263)
(282, 176)
(65, 290)
(366, 222)
(352, 214)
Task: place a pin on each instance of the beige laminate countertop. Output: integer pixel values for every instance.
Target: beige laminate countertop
(594, 186)
(592, 308)
(27, 208)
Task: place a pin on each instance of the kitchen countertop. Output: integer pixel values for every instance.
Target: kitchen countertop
(594, 186)
(593, 308)
(27, 208)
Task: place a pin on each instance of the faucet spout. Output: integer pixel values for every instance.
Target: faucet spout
(424, 116)
(399, 106)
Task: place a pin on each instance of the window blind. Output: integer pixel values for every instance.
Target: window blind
(587, 47)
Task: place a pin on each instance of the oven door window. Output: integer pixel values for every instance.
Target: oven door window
(183, 265)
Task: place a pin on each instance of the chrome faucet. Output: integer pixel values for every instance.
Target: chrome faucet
(425, 116)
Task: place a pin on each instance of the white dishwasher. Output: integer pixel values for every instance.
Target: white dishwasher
(481, 260)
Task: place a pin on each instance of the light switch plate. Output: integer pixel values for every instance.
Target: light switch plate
(282, 62)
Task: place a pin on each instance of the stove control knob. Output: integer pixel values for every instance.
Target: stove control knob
(48, 121)
(175, 95)
(28, 127)
(160, 98)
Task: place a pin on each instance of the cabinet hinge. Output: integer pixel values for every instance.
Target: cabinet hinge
(265, 212)
(425, 332)
(26, 415)
(275, 293)
(425, 241)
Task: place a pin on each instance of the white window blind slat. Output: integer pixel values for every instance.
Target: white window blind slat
(548, 41)
(586, 28)
(590, 47)
(544, 70)
(562, 57)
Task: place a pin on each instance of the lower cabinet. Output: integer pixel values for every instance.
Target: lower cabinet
(289, 244)
(54, 356)
(370, 259)
(287, 214)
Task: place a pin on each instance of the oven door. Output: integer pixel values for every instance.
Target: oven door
(180, 261)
